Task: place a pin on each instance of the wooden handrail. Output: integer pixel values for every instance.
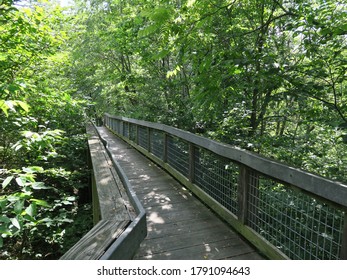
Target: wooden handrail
(331, 190)
(251, 167)
(118, 232)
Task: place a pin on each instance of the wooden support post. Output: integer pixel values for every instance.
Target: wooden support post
(149, 139)
(343, 253)
(243, 188)
(191, 162)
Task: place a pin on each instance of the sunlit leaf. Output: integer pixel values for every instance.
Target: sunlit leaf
(20, 181)
(15, 222)
(31, 210)
(33, 169)
(40, 202)
(40, 186)
(7, 181)
(23, 105)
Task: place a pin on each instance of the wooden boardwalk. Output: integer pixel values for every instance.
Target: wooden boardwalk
(179, 225)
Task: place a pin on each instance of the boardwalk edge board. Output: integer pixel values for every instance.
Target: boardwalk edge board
(118, 231)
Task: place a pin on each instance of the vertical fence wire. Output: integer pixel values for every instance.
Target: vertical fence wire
(178, 155)
(157, 143)
(218, 177)
(126, 129)
(143, 137)
(297, 224)
(132, 132)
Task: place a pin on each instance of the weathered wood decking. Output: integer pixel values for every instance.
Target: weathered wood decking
(179, 225)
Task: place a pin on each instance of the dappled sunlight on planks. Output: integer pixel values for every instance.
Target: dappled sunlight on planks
(155, 219)
(179, 226)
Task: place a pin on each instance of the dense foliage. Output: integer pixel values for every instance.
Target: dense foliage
(265, 75)
(43, 172)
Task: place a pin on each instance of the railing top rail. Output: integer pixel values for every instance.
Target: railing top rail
(333, 191)
(118, 233)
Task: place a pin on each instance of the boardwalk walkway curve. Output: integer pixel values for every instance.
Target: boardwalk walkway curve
(285, 212)
(179, 225)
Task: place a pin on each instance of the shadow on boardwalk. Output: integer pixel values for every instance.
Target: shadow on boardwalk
(179, 225)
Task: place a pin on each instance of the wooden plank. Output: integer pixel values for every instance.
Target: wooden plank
(181, 227)
(96, 241)
(225, 249)
(185, 241)
(247, 256)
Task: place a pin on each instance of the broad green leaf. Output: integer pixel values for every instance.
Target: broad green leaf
(31, 210)
(40, 186)
(33, 169)
(18, 207)
(1, 242)
(23, 105)
(15, 222)
(4, 219)
(20, 181)
(40, 202)
(3, 203)
(4, 107)
(7, 181)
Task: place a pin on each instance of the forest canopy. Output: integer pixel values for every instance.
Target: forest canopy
(265, 75)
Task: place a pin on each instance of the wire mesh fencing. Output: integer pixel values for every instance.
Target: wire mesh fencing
(178, 155)
(218, 177)
(296, 222)
(157, 143)
(143, 137)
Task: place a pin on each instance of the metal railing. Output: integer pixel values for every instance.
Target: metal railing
(285, 212)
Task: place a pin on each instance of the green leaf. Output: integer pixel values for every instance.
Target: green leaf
(191, 3)
(40, 202)
(20, 181)
(31, 210)
(7, 181)
(4, 107)
(40, 186)
(18, 207)
(5, 220)
(33, 169)
(15, 222)
(23, 105)
(1, 242)
(3, 203)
